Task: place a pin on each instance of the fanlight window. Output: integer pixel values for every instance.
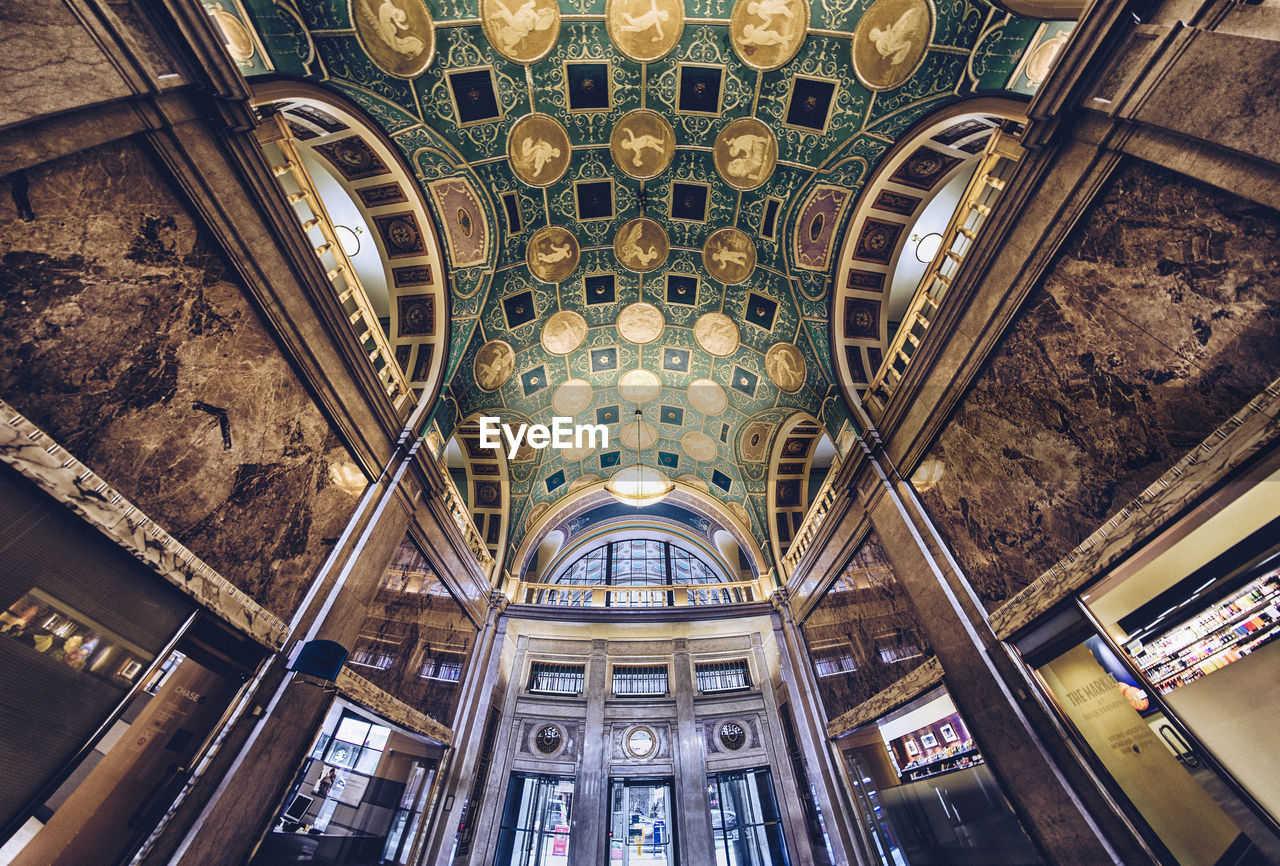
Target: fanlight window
(638, 564)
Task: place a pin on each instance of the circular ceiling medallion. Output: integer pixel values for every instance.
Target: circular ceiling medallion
(642, 439)
(549, 739)
(641, 244)
(234, 34)
(639, 386)
(890, 42)
(707, 397)
(1040, 61)
(642, 144)
(640, 323)
(538, 148)
(521, 30)
(699, 446)
(398, 35)
(641, 742)
(494, 364)
(766, 34)
(729, 255)
(717, 333)
(785, 366)
(563, 332)
(644, 30)
(733, 736)
(746, 152)
(572, 397)
(552, 253)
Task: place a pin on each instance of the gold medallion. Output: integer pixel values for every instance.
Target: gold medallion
(699, 446)
(642, 245)
(766, 34)
(890, 41)
(644, 30)
(707, 397)
(640, 323)
(564, 332)
(746, 153)
(521, 30)
(639, 386)
(785, 366)
(398, 35)
(729, 255)
(494, 364)
(552, 253)
(642, 144)
(717, 333)
(538, 148)
(572, 397)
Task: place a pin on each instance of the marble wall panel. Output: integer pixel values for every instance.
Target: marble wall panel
(1156, 322)
(125, 336)
(863, 636)
(413, 636)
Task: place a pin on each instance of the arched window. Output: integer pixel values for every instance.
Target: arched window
(633, 565)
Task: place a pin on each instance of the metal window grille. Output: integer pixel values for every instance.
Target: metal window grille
(832, 663)
(560, 679)
(896, 652)
(640, 679)
(723, 676)
(372, 652)
(444, 666)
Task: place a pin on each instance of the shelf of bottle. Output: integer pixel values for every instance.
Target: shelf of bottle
(1165, 655)
(1244, 644)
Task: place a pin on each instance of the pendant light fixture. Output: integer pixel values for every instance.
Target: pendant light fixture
(639, 484)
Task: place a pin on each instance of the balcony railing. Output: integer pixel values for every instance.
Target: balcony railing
(998, 162)
(462, 517)
(809, 529)
(286, 164)
(597, 594)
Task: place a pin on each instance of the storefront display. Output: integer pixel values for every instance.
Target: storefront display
(942, 746)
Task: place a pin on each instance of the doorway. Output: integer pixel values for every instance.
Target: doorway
(536, 821)
(641, 823)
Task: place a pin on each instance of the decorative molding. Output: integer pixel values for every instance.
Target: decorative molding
(41, 460)
(915, 683)
(357, 689)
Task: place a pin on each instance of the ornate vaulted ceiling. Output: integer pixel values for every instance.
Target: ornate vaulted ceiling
(694, 116)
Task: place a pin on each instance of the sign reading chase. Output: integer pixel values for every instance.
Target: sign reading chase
(562, 433)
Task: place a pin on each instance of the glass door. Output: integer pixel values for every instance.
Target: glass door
(641, 823)
(745, 819)
(536, 821)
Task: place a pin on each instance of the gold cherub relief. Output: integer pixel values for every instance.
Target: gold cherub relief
(717, 333)
(552, 253)
(521, 30)
(746, 153)
(398, 35)
(641, 244)
(766, 34)
(729, 255)
(890, 41)
(642, 144)
(785, 366)
(564, 332)
(644, 30)
(494, 364)
(539, 150)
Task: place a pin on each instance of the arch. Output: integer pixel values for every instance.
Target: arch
(361, 176)
(487, 487)
(791, 460)
(941, 149)
(1043, 10)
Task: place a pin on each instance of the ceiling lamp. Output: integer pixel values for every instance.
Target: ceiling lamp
(349, 239)
(638, 484)
(927, 247)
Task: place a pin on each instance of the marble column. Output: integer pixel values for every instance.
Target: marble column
(694, 816)
(590, 809)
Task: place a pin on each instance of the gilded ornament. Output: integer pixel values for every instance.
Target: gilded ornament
(642, 144)
(642, 245)
(235, 35)
(785, 366)
(640, 323)
(644, 30)
(494, 364)
(398, 35)
(521, 30)
(572, 397)
(746, 153)
(707, 397)
(639, 386)
(552, 253)
(890, 42)
(717, 333)
(564, 332)
(766, 34)
(538, 149)
(729, 255)
(699, 446)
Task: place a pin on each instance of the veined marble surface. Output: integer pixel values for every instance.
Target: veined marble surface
(913, 684)
(42, 461)
(357, 689)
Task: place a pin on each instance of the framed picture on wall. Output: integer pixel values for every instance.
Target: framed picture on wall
(911, 747)
(948, 733)
(928, 740)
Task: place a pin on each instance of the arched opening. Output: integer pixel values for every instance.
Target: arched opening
(803, 461)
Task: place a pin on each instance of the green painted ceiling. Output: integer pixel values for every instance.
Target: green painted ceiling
(973, 50)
